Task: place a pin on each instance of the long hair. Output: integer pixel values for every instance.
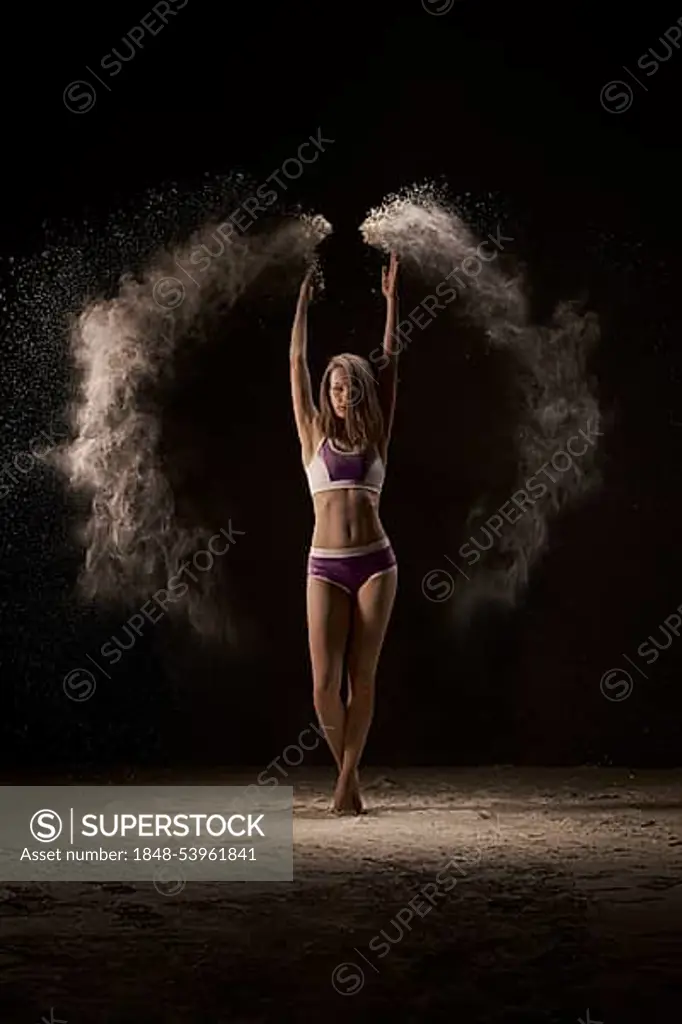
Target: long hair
(363, 425)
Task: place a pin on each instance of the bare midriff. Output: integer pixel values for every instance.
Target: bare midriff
(346, 518)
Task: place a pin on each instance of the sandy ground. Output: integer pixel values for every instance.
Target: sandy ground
(551, 893)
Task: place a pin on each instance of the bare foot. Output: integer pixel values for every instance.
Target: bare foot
(344, 797)
(358, 805)
(347, 799)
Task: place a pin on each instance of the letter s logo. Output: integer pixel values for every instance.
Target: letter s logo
(46, 826)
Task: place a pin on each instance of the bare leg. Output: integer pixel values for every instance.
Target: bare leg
(372, 613)
(328, 624)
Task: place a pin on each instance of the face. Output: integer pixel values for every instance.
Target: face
(339, 390)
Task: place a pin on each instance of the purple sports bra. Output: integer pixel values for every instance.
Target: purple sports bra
(331, 469)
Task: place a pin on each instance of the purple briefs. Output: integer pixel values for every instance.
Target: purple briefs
(349, 568)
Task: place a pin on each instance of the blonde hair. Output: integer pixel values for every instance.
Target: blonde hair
(363, 425)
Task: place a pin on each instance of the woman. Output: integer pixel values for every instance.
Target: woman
(352, 571)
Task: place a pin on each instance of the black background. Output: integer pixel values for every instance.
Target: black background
(486, 98)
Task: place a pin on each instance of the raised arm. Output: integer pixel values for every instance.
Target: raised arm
(388, 377)
(305, 412)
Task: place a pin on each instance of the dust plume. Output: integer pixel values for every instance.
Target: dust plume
(127, 350)
(556, 396)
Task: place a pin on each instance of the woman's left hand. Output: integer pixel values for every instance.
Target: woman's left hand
(389, 277)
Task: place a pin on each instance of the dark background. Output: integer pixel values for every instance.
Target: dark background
(486, 99)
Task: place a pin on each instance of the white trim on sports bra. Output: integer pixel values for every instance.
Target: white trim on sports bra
(340, 451)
